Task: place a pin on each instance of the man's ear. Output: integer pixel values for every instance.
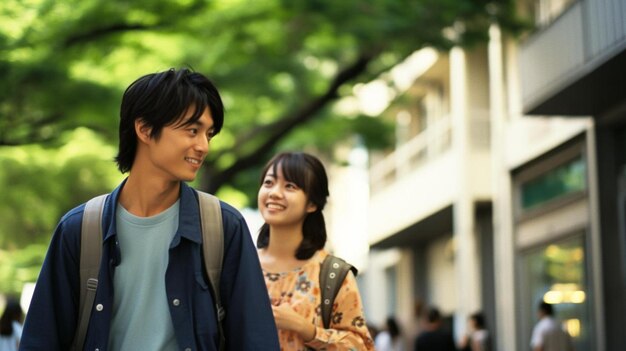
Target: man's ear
(142, 130)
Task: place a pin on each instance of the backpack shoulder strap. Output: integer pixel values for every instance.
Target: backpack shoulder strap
(90, 254)
(332, 275)
(213, 250)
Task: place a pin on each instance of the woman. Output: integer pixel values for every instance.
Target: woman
(293, 193)
(11, 325)
(478, 337)
(390, 339)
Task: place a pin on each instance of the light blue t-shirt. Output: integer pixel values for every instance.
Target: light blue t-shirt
(141, 318)
(10, 342)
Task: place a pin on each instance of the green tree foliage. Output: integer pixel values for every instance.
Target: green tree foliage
(280, 64)
(39, 185)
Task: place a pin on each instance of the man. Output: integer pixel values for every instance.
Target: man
(153, 293)
(548, 335)
(434, 337)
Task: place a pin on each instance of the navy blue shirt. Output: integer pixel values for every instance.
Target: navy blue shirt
(249, 324)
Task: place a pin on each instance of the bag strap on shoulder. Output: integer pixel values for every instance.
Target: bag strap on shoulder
(213, 251)
(90, 254)
(332, 275)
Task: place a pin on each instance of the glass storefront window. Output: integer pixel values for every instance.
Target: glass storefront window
(555, 273)
(391, 276)
(566, 179)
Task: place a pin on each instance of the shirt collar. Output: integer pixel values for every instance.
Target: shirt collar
(188, 216)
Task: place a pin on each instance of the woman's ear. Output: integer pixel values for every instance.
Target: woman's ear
(142, 130)
(311, 207)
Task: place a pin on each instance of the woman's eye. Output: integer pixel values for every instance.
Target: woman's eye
(193, 131)
(291, 186)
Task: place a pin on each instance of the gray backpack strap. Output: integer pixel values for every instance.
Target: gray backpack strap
(90, 253)
(332, 275)
(213, 251)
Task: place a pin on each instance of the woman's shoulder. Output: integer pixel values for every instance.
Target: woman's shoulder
(315, 262)
(319, 256)
(480, 335)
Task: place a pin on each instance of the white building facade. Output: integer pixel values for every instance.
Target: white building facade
(506, 186)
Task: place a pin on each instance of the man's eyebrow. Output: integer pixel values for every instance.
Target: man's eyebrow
(198, 123)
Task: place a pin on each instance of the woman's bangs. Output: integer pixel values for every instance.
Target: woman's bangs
(294, 170)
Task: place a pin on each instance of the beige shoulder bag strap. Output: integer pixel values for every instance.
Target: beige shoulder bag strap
(90, 253)
(213, 250)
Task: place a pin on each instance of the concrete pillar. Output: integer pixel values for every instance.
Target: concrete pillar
(594, 147)
(348, 205)
(502, 200)
(466, 258)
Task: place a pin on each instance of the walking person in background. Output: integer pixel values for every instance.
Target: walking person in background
(11, 325)
(434, 337)
(153, 292)
(477, 338)
(390, 338)
(548, 334)
(293, 193)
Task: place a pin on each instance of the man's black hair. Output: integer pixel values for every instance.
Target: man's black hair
(546, 308)
(479, 320)
(160, 100)
(12, 313)
(392, 327)
(433, 315)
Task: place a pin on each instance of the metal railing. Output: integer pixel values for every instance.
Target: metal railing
(427, 145)
(431, 142)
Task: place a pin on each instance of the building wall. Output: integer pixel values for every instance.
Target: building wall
(441, 282)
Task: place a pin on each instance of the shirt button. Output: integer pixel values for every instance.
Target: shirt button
(188, 349)
(176, 302)
(99, 307)
(97, 349)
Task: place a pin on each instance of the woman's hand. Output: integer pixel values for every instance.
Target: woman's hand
(287, 319)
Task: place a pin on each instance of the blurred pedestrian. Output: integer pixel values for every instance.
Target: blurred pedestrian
(11, 325)
(548, 334)
(477, 337)
(293, 193)
(434, 337)
(390, 338)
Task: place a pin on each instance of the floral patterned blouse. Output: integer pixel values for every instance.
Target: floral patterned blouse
(300, 289)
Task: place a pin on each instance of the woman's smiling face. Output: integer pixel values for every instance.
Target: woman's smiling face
(282, 202)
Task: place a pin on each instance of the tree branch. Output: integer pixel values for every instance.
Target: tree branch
(104, 31)
(214, 179)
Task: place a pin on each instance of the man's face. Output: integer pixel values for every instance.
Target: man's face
(177, 154)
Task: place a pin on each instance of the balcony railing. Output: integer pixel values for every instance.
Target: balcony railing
(431, 142)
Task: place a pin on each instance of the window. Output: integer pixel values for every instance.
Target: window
(566, 179)
(555, 273)
(391, 276)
